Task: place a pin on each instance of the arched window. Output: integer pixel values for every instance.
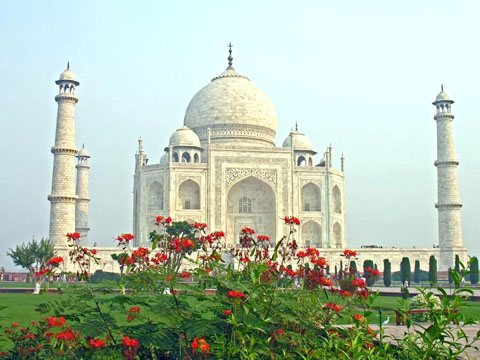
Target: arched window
(189, 195)
(310, 198)
(337, 200)
(301, 161)
(175, 157)
(337, 235)
(155, 196)
(245, 205)
(196, 158)
(312, 234)
(186, 157)
(310, 162)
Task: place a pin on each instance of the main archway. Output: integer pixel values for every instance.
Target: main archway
(251, 203)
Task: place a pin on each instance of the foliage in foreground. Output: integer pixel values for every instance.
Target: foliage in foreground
(181, 299)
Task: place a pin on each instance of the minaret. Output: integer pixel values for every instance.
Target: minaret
(63, 198)
(81, 206)
(449, 205)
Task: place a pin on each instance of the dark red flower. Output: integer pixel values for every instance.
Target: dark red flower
(96, 343)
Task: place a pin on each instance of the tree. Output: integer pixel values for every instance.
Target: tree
(336, 272)
(457, 264)
(406, 271)
(387, 272)
(416, 272)
(33, 256)
(432, 270)
(474, 271)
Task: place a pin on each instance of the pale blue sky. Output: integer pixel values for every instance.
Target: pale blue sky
(358, 74)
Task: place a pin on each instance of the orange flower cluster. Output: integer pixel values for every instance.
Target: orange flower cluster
(235, 294)
(129, 348)
(199, 226)
(359, 318)
(55, 321)
(332, 306)
(261, 238)
(96, 343)
(200, 343)
(227, 312)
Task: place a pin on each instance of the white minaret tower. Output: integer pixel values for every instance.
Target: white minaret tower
(63, 198)
(449, 205)
(81, 206)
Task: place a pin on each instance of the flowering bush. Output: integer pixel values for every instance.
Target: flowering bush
(191, 295)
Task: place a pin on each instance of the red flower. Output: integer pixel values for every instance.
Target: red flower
(55, 261)
(96, 343)
(358, 317)
(235, 294)
(14, 324)
(158, 219)
(248, 230)
(291, 220)
(130, 342)
(55, 321)
(200, 343)
(135, 309)
(333, 307)
(73, 236)
(281, 332)
(263, 238)
(125, 238)
(359, 283)
(185, 274)
(169, 277)
(349, 253)
(227, 312)
(68, 334)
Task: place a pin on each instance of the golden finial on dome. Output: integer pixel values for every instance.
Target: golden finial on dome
(230, 58)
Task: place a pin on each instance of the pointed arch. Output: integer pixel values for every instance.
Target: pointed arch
(188, 195)
(301, 160)
(337, 235)
(337, 200)
(312, 234)
(155, 196)
(186, 157)
(310, 161)
(196, 158)
(310, 197)
(175, 157)
(251, 203)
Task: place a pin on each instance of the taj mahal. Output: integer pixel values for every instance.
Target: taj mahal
(222, 166)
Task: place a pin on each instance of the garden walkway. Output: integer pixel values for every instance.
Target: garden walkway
(400, 331)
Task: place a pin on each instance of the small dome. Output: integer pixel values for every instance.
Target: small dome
(164, 158)
(67, 75)
(442, 96)
(300, 141)
(184, 137)
(83, 153)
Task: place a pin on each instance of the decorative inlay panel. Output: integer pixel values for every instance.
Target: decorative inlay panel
(234, 174)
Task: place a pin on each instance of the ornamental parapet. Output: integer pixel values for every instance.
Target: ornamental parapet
(444, 116)
(63, 198)
(446, 162)
(62, 150)
(449, 206)
(66, 97)
(86, 199)
(83, 166)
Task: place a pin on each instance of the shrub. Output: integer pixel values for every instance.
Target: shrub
(416, 272)
(101, 276)
(406, 271)
(387, 272)
(432, 270)
(424, 301)
(474, 271)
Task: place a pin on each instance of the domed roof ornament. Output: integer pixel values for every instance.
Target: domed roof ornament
(230, 58)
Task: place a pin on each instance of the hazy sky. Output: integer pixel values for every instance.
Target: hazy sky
(358, 74)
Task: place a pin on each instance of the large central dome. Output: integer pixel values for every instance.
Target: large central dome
(236, 111)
